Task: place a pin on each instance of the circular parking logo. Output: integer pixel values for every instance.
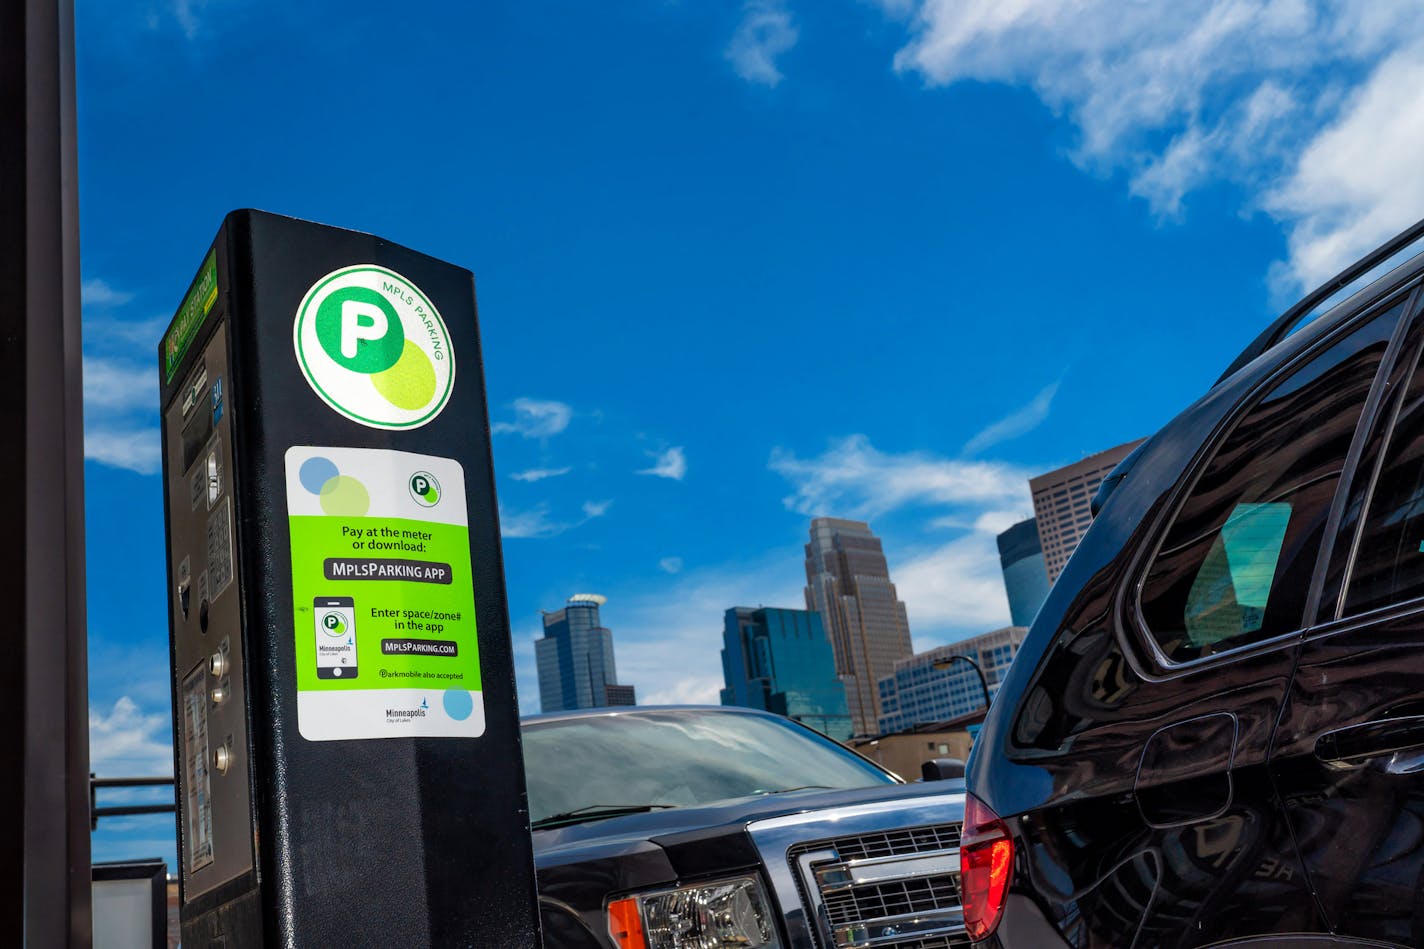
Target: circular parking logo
(424, 489)
(374, 348)
(334, 624)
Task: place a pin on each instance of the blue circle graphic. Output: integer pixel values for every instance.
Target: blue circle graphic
(316, 472)
(459, 704)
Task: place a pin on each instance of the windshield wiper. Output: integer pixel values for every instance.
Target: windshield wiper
(596, 812)
(799, 787)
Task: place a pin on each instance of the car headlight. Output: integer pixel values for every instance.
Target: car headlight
(723, 914)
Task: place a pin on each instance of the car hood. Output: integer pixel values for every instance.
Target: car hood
(562, 844)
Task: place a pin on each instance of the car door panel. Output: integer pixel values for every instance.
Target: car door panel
(1348, 758)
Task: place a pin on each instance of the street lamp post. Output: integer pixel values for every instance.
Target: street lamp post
(942, 664)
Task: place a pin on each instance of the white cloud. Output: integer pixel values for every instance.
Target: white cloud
(536, 418)
(1358, 182)
(1019, 422)
(535, 522)
(120, 414)
(138, 338)
(954, 586)
(669, 464)
(135, 449)
(113, 385)
(592, 509)
(127, 741)
(686, 690)
(99, 293)
(539, 521)
(854, 479)
(765, 33)
(668, 636)
(539, 474)
(1310, 106)
(670, 565)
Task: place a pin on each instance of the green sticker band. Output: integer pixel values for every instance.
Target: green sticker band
(383, 598)
(195, 308)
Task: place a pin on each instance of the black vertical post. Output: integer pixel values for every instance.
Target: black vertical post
(44, 750)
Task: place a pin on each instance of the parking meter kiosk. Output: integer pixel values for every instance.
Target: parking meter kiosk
(346, 732)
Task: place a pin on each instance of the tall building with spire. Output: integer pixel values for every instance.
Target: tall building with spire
(575, 659)
(848, 583)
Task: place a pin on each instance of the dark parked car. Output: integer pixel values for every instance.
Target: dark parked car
(718, 828)
(1214, 732)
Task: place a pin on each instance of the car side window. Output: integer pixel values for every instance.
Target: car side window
(1235, 566)
(1389, 556)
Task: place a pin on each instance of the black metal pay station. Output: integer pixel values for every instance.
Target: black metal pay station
(346, 732)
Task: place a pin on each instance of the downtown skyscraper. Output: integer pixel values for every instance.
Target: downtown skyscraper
(1062, 500)
(575, 659)
(781, 661)
(848, 583)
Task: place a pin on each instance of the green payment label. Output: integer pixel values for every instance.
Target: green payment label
(383, 596)
(197, 304)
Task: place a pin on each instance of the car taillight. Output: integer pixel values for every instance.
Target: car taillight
(986, 861)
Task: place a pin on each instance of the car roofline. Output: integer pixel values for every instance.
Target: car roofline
(1282, 327)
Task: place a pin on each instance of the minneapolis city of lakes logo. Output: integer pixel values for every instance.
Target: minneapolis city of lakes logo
(374, 348)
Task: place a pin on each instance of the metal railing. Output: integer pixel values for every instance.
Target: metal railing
(97, 784)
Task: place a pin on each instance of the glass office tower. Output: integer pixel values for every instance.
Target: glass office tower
(575, 658)
(1025, 576)
(781, 661)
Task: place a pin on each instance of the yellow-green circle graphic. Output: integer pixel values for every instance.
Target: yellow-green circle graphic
(374, 348)
(410, 383)
(344, 496)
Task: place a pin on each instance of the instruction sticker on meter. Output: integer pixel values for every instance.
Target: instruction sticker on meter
(383, 595)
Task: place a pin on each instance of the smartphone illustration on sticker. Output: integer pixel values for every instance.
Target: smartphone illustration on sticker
(335, 637)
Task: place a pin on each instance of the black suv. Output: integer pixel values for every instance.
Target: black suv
(1214, 733)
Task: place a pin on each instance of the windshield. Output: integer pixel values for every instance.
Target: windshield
(677, 759)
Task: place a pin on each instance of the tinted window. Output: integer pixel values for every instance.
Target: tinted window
(1236, 564)
(1389, 559)
(678, 759)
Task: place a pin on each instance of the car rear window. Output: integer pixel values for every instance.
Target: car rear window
(1235, 566)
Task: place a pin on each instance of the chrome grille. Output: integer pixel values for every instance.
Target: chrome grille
(869, 883)
(910, 840)
(891, 899)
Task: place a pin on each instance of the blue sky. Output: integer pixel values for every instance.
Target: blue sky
(738, 264)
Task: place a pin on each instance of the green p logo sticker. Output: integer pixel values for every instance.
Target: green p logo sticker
(374, 348)
(334, 624)
(424, 489)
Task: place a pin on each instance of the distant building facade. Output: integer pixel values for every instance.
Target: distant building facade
(619, 694)
(780, 661)
(1060, 503)
(917, 693)
(1025, 576)
(848, 583)
(575, 659)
